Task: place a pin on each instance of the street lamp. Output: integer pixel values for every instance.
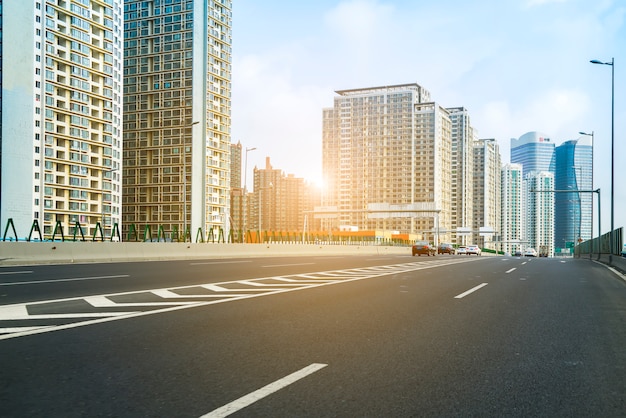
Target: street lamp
(592, 158)
(184, 144)
(104, 172)
(612, 64)
(245, 192)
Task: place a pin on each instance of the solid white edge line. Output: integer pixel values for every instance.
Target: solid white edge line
(259, 394)
(472, 290)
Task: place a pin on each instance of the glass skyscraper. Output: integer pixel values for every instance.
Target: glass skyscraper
(573, 211)
(534, 151)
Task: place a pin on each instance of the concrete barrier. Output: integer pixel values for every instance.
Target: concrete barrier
(24, 253)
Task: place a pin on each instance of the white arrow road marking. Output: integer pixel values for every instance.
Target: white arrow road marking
(265, 391)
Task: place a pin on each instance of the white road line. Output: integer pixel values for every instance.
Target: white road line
(16, 272)
(287, 265)
(65, 280)
(257, 395)
(472, 290)
(220, 262)
(510, 270)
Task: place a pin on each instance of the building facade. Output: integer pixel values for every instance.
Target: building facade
(487, 193)
(386, 156)
(512, 230)
(534, 151)
(177, 115)
(463, 138)
(61, 133)
(573, 211)
(539, 211)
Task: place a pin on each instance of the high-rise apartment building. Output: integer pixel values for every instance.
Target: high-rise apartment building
(61, 107)
(463, 138)
(512, 230)
(177, 114)
(573, 211)
(280, 203)
(487, 194)
(539, 211)
(386, 155)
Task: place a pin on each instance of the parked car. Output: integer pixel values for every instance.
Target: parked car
(445, 248)
(473, 249)
(530, 252)
(461, 250)
(624, 250)
(423, 247)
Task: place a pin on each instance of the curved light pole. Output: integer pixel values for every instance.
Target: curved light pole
(612, 64)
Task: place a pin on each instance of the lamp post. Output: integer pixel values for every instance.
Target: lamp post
(104, 172)
(592, 158)
(612, 64)
(245, 192)
(184, 144)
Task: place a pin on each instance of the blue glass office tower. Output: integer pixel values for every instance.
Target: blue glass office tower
(573, 211)
(534, 151)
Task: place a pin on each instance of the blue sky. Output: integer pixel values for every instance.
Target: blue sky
(516, 65)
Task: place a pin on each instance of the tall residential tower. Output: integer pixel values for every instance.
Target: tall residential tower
(61, 132)
(386, 155)
(177, 115)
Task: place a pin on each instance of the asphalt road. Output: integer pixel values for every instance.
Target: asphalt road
(314, 337)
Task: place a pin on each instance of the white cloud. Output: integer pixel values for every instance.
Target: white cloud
(358, 21)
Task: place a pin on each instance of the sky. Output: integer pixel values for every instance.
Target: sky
(516, 66)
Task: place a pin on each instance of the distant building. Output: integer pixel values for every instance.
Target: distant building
(539, 211)
(61, 110)
(177, 115)
(573, 211)
(534, 151)
(386, 155)
(281, 203)
(512, 232)
(487, 193)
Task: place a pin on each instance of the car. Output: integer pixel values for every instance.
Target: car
(624, 250)
(445, 248)
(461, 250)
(423, 247)
(473, 249)
(530, 252)
(518, 253)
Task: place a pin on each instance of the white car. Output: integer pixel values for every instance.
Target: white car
(530, 252)
(461, 250)
(473, 249)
